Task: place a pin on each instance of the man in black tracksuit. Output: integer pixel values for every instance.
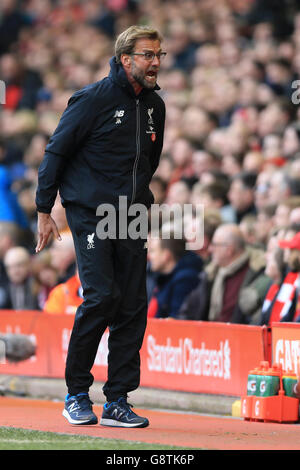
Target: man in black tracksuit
(107, 144)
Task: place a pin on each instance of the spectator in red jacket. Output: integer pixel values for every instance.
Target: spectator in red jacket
(282, 300)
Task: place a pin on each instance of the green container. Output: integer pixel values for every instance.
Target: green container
(253, 384)
(268, 386)
(288, 383)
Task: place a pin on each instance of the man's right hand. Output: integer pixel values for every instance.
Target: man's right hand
(46, 227)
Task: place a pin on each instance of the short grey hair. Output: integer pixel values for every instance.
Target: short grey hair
(126, 41)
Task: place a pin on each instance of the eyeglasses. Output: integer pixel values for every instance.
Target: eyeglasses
(149, 55)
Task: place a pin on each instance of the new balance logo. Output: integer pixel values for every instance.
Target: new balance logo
(116, 414)
(118, 114)
(73, 407)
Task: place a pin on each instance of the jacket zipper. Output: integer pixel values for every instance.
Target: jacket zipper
(137, 156)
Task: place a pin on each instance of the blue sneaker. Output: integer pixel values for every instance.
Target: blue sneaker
(78, 409)
(119, 414)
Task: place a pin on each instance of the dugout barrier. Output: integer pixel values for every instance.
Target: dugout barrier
(178, 355)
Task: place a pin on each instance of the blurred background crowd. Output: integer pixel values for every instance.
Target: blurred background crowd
(231, 84)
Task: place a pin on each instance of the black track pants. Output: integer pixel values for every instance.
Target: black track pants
(113, 277)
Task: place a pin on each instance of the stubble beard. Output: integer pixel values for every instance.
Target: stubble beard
(139, 77)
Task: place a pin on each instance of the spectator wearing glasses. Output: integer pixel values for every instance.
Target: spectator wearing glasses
(234, 284)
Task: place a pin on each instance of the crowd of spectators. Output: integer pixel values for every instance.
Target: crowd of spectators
(231, 84)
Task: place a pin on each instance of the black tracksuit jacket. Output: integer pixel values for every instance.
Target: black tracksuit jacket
(107, 144)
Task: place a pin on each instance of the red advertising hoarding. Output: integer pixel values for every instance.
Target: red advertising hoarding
(286, 345)
(178, 355)
(201, 356)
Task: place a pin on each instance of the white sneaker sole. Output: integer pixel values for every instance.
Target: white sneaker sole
(74, 421)
(118, 424)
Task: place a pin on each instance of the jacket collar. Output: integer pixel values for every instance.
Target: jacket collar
(118, 75)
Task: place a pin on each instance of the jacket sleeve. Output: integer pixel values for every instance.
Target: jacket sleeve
(73, 127)
(157, 148)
